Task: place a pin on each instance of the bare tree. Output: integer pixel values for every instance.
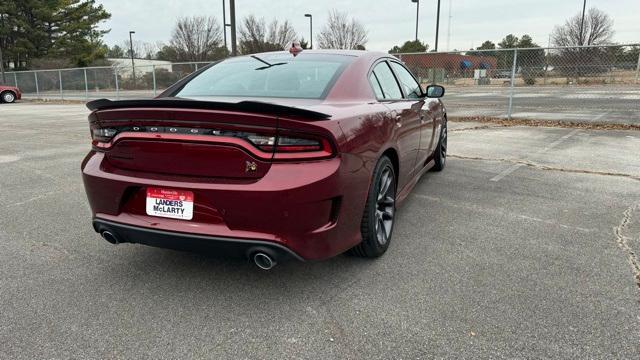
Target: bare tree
(342, 33)
(583, 62)
(197, 38)
(597, 30)
(256, 37)
(141, 49)
(282, 34)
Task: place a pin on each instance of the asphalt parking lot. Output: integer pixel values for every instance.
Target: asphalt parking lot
(526, 246)
(579, 104)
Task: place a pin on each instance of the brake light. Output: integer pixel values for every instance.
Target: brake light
(286, 146)
(291, 147)
(103, 135)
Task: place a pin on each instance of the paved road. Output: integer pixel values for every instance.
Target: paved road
(521, 248)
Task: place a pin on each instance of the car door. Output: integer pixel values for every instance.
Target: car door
(404, 114)
(421, 104)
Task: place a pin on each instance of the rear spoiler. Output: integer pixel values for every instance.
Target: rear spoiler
(256, 107)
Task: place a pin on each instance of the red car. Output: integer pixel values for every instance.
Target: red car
(269, 156)
(9, 94)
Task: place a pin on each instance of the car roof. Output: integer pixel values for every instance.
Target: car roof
(354, 53)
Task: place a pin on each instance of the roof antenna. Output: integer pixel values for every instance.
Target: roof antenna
(295, 48)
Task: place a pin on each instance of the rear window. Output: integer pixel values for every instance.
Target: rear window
(307, 76)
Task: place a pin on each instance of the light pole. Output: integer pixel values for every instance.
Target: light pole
(584, 8)
(417, 13)
(437, 26)
(133, 64)
(310, 30)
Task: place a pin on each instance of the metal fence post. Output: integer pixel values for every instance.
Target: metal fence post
(15, 78)
(86, 85)
(196, 66)
(153, 75)
(546, 65)
(638, 69)
(513, 83)
(60, 77)
(35, 76)
(115, 71)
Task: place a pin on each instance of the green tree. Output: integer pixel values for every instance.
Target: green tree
(530, 62)
(410, 47)
(167, 53)
(32, 29)
(115, 52)
(487, 45)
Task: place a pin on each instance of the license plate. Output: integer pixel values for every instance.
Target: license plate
(174, 204)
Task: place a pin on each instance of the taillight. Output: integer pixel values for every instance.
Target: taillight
(287, 146)
(292, 147)
(291, 144)
(103, 135)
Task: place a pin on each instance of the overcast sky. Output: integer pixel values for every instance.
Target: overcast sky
(389, 22)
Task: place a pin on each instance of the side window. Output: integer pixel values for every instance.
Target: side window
(375, 84)
(409, 85)
(388, 83)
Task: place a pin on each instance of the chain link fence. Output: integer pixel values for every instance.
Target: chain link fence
(112, 82)
(590, 83)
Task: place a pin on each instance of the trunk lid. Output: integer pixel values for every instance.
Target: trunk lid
(188, 142)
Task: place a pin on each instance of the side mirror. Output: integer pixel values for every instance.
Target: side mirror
(435, 91)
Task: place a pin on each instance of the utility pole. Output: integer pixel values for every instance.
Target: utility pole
(133, 64)
(449, 27)
(417, 16)
(4, 79)
(310, 29)
(224, 23)
(232, 12)
(437, 26)
(584, 8)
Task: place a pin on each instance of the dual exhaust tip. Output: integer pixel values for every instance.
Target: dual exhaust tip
(262, 259)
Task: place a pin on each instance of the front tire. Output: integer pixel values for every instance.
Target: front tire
(440, 156)
(8, 97)
(379, 212)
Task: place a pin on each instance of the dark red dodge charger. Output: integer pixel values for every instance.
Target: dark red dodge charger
(268, 156)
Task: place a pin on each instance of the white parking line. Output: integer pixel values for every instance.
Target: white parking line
(508, 171)
(515, 167)
(599, 117)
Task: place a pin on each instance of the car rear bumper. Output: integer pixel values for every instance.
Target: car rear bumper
(122, 233)
(310, 209)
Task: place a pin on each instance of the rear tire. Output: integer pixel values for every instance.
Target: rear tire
(8, 97)
(379, 212)
(440, 155)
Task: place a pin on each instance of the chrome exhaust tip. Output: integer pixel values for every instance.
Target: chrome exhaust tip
(264, 261)
(107, 235)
